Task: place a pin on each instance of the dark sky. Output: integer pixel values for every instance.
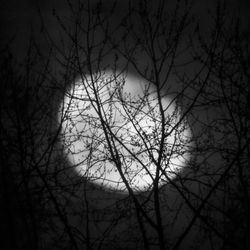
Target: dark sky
(17, 17)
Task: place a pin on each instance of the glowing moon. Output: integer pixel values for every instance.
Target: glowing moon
(121, 113)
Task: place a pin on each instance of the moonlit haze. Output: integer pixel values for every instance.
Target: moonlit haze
(125, 111)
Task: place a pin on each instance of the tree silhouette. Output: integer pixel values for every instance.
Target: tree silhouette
(127, 134)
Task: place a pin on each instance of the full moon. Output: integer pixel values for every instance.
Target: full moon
(117, 130)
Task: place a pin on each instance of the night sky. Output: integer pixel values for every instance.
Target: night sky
(46, 205)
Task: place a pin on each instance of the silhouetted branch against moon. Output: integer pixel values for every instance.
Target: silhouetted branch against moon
(129, 110)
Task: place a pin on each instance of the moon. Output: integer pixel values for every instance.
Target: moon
(109, 115)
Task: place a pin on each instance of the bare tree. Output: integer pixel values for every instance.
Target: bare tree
(130, 134)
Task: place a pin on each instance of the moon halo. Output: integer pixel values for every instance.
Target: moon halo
(112, 129)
